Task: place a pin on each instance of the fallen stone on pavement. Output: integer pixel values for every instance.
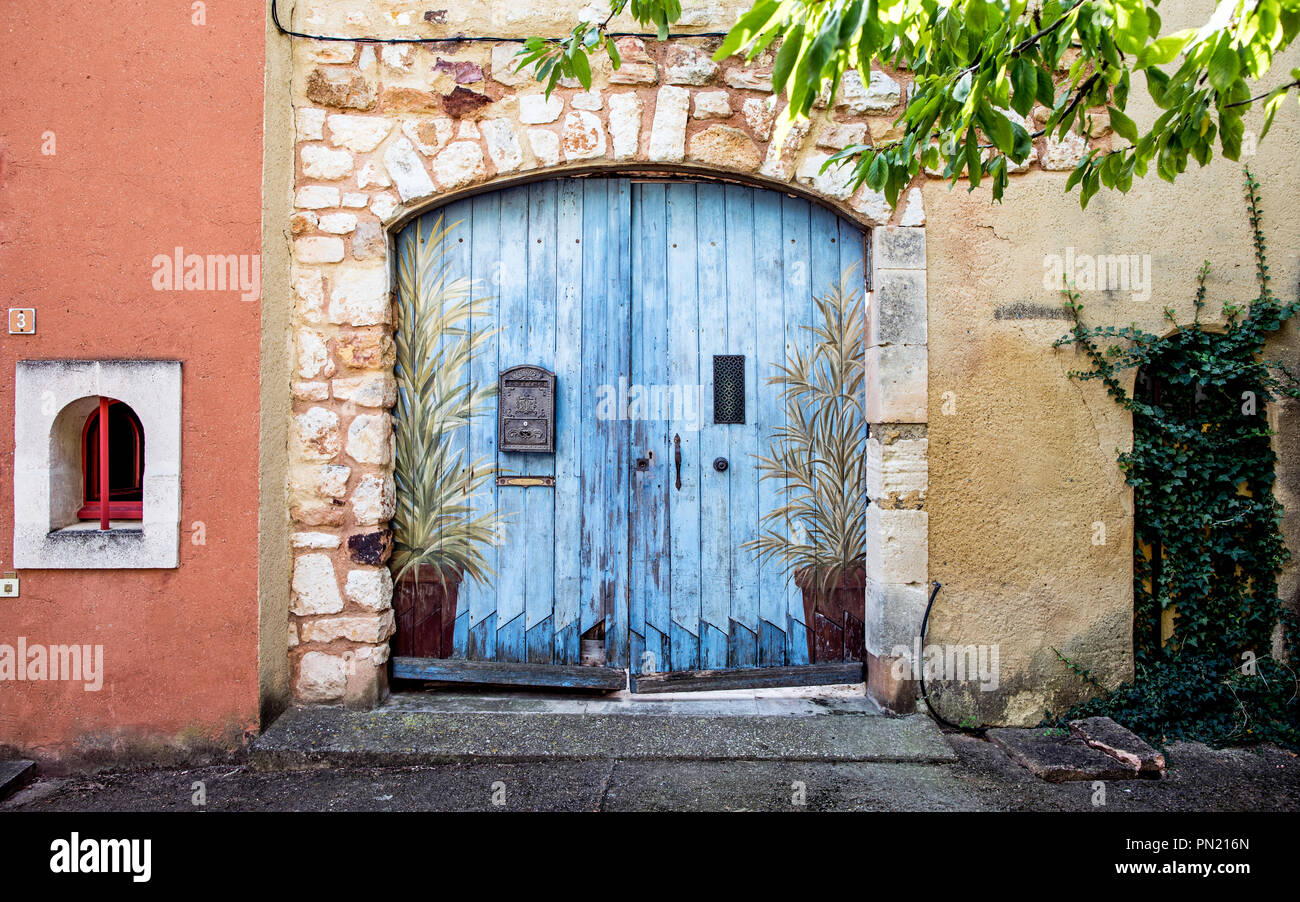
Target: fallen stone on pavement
(1107, 736)
(1057, 756)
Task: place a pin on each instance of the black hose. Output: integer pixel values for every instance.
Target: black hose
(925, 696)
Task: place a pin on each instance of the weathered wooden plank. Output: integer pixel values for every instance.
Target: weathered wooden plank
(693, 219)
(571, 420)
(747, 678)
(742, 439)
(770, 277)
(620, 219)
(513, 346)
(496, 673)
(541, 310)
(797, 288)
(478, 601)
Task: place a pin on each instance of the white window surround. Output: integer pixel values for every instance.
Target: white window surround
(52, 399)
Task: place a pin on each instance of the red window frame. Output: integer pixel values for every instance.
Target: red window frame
(95, 467)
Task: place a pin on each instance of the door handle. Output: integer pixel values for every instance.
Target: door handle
(677, 458)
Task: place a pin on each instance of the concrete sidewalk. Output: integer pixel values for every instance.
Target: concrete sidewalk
(472, 728)
(982, 779)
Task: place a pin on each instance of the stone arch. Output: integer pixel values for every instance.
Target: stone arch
(406, 163)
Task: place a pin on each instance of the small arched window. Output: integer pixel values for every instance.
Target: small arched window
(112, 464)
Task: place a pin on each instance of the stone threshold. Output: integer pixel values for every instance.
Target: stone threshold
(411, 730)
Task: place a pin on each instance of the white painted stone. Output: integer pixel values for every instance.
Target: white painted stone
(668, 131)
(914, 211)
(359, 296)
(761, 116)
(316, 197)
(779, 163)
(372, 173)
(872, 204)
(459, 164)
(712, 105)
(369, 438)
(355, 200)
(321, 677)
(313, 355)
(374, 500)
(309, 295)
(834, 182)
(688, 65)
(331, 480)
(358, 133)
(367, 390)
(1066, 153)
(842, 134)
(586, 100)
(503, 65)
(316, 249)
(384, 206)
(338, 223)
(316, 434)
(371, 589)
(406, 170)
(750, 79)
(880, 94)
(546, 146)
(502, 144)
(428, 135)
(310, 124)
(322, 163)
(315, 590)
(316, 541)
(538, 109)
(582, 137)
(625, 124)
(352, 627)
(309, 391)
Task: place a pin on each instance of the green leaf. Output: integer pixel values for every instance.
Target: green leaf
(746, 28)
(1225, 64)
(786, 57)
(582, 69)
(1123, 125)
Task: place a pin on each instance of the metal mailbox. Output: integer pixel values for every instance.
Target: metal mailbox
(526, 409)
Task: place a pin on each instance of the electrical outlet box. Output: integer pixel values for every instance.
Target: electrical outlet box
(9, 586)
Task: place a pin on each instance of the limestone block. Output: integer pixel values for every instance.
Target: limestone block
(582, 137)
(460, 163)
(687, 65)
(321, 677)
(725, 148)
(359, 296)
(538, 109)
(369, 438)
(668, 131)
(318, 250)
(315, 590)
(316, 197)
(406, 170)
(371, 589)
(358, 133)
(625, 124)
(322, 163)
(502, 144)
(896, 377)
(898, 545)
(897, 311)
(316, 433)
(712, 105)
(374, 500)
(898, 248)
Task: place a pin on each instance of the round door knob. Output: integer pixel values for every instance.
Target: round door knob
(720, 464)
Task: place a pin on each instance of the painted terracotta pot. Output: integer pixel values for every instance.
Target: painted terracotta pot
(834, 616)
(424, 607)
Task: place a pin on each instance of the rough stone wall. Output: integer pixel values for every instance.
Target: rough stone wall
(382, 132)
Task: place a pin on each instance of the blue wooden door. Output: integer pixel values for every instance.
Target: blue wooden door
(718, 270)
(627, 291)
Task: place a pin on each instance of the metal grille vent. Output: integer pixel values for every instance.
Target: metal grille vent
(728, 388)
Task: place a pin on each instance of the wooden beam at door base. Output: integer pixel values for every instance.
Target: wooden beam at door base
(748, 678)
(499, 673)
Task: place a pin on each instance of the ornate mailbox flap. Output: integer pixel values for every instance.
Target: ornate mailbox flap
(526, 409)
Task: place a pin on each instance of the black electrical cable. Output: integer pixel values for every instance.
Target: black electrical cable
(979, 731)
(275, 18)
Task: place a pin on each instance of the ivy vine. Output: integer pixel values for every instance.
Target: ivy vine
(1209, 546)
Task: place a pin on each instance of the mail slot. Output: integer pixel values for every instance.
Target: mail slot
(526, 409)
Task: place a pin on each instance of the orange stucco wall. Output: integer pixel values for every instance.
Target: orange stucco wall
(157, 128)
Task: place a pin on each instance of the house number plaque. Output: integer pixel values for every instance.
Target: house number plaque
(526, 409)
